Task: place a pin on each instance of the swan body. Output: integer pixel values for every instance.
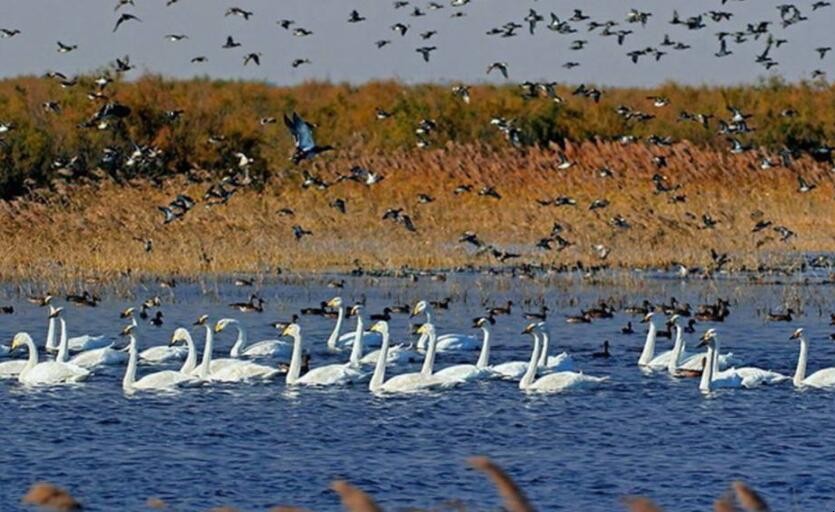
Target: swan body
(405, 383)
(87, 342)
(163, 354)
(229, 369)
(397, 355)
(242, 348)
(553, 382)
(462, 373)
(445, 342)
(329, 375)
(11, 369)
(369, 339)
(559, 363)
(750, 376)
(48, 373)
(820, 379)
(166, 380)
(88, 359)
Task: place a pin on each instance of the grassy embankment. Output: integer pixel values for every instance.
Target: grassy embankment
(94, 223)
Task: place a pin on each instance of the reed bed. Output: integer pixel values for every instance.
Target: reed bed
(738, 497)
(99, 230)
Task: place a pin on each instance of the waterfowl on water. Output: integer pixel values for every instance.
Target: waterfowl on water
(603, 353)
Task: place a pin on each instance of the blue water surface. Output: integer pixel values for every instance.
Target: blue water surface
(255, 446)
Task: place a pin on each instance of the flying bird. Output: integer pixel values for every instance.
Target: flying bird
(302, 133)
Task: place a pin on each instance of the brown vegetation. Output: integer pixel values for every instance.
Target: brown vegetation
(356, 500)
(99, 230)
(96, 223)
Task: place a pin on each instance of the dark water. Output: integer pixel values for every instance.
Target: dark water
(254, 446)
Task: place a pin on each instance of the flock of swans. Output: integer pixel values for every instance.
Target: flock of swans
(77, 359)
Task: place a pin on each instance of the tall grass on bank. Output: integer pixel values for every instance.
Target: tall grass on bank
(100, 229)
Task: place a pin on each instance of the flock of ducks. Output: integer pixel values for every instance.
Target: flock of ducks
(147, 160)
(76, 359)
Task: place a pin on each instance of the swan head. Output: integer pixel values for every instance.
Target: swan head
(335, 302)
(128, 313)
(223, 323)
(292, 330)
(20, 340)
(707, 337)
(648, 317)
(530, 328)
(673, 320)
(356, 310)
(797, 334)
(180, 335)
(202, 320)
(382, 327)
(427, 329)
(128, 330)
(483, 322)
(419, 308)
(55, 312)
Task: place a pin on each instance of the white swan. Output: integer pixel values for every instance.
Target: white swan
(229, 369)
(461, 373)
(162, 353)
(369, 339)
(552, 382)
(750, 375)
(48, 373)
(820, 379)
(330, 375)
(397, 355)
(445, 342)
(405, 383)
(648, 358)
(681, 360)
(709, 381)
(159, 381)
(11, 369)
(559, 363)
(265, 348)
(89, 359)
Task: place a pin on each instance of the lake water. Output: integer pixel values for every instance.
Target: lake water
(253, 446)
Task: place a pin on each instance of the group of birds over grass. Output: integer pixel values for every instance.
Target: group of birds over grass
(371, 353)
(141, 159)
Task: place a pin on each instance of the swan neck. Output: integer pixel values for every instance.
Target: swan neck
(295, 369)
(240, 343)
(191, 358)
(130, 373)
(421, 342)
(429, 358)
(32, 360)
(336, 328)
(484, 357)
(63, 347)
(50, 335)
(649, 345)
(678, 350)
(356, 350)
(207, 353)
(800, 373)
(380, 368)
(707, 372)
(530, 373)
(543, 355)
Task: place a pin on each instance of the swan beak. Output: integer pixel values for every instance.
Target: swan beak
(795, 335)
(219, 327)
(645, 319)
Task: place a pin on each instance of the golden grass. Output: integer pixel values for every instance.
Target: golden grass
(356, 500)
(97, 231)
